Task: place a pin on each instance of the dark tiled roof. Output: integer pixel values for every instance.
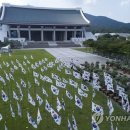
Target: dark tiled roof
(42, 16)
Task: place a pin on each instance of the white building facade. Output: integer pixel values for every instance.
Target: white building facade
(41, 24)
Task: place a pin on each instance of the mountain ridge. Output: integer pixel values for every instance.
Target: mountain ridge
(102, 24)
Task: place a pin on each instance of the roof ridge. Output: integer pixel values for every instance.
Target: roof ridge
(34, 7)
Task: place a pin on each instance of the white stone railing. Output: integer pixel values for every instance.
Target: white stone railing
(21, 40)
(78, 41)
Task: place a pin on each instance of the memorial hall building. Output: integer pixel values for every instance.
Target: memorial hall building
(42, 24)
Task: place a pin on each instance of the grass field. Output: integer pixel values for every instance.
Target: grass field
(82, 116)
(86, 49)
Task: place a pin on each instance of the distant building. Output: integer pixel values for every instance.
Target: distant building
(125, 35)
(41, 24)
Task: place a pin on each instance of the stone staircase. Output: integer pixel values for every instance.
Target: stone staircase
(50, 44)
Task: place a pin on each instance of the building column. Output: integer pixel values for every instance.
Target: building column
(65, 36)
(54, 34)
(74, 32)
(42, 39)
(82, 34)
(18, 31)
(9, 33)
(29, 33)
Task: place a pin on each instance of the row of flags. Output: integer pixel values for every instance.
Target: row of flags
(109, 85)
(60, 83)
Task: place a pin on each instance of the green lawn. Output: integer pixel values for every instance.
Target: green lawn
(86, 49)
(83, 116)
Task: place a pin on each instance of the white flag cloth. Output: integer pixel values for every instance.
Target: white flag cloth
(54, 90)
(36, 64)
(56, 117)
(67, 72)
(86, 75)
(125, 101)
(4, 96)
(30, 100)
(84, 87)
(110, 106)
(69, 95)
(60, 84)
(125, 104)
(28, 61)
(78, 102)
(96, 84)
(82, 93)
(15, 96)
(63, 104)
(23, 70)
(11, 76)
(19, 110)
(94, 124)
(29, 85)
(74, 124)
(31, 120)
(44, 92)
(21, 94)
(17, 85)
(25, 57)
(1, 117)
(39, 117)
(39, 99)
(2, 80)
(48, 106)
(110, 87)
(35, 74)
(73, 83)
(6, 127)
(59, 107)
(23, 84)
(97, 109)
(32, 57)
(119, 88)
(47, 79)
(33, 66)
(108, 82)
(56, 77)
(123, 95)
(65, 81)
(94, 94)
(58, 68)
(24, 63)
(36, 81)
(69, 125)
(7, 76)
(12, 71)
(112, 128)
(15, 67)
(12, 112)
(76, 75)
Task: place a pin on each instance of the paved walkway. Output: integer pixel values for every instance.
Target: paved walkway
(67, 54)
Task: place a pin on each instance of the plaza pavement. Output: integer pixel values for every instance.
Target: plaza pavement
(67, 54)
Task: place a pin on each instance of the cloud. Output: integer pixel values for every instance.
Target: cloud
(125, 2)
(90, 1)
(51, 3)
(17, 2)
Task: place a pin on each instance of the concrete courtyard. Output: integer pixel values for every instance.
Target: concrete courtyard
(67, 54)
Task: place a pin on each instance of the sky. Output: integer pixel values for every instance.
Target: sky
(115, 9)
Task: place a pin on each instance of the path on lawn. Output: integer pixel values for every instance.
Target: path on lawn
(67, 54)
